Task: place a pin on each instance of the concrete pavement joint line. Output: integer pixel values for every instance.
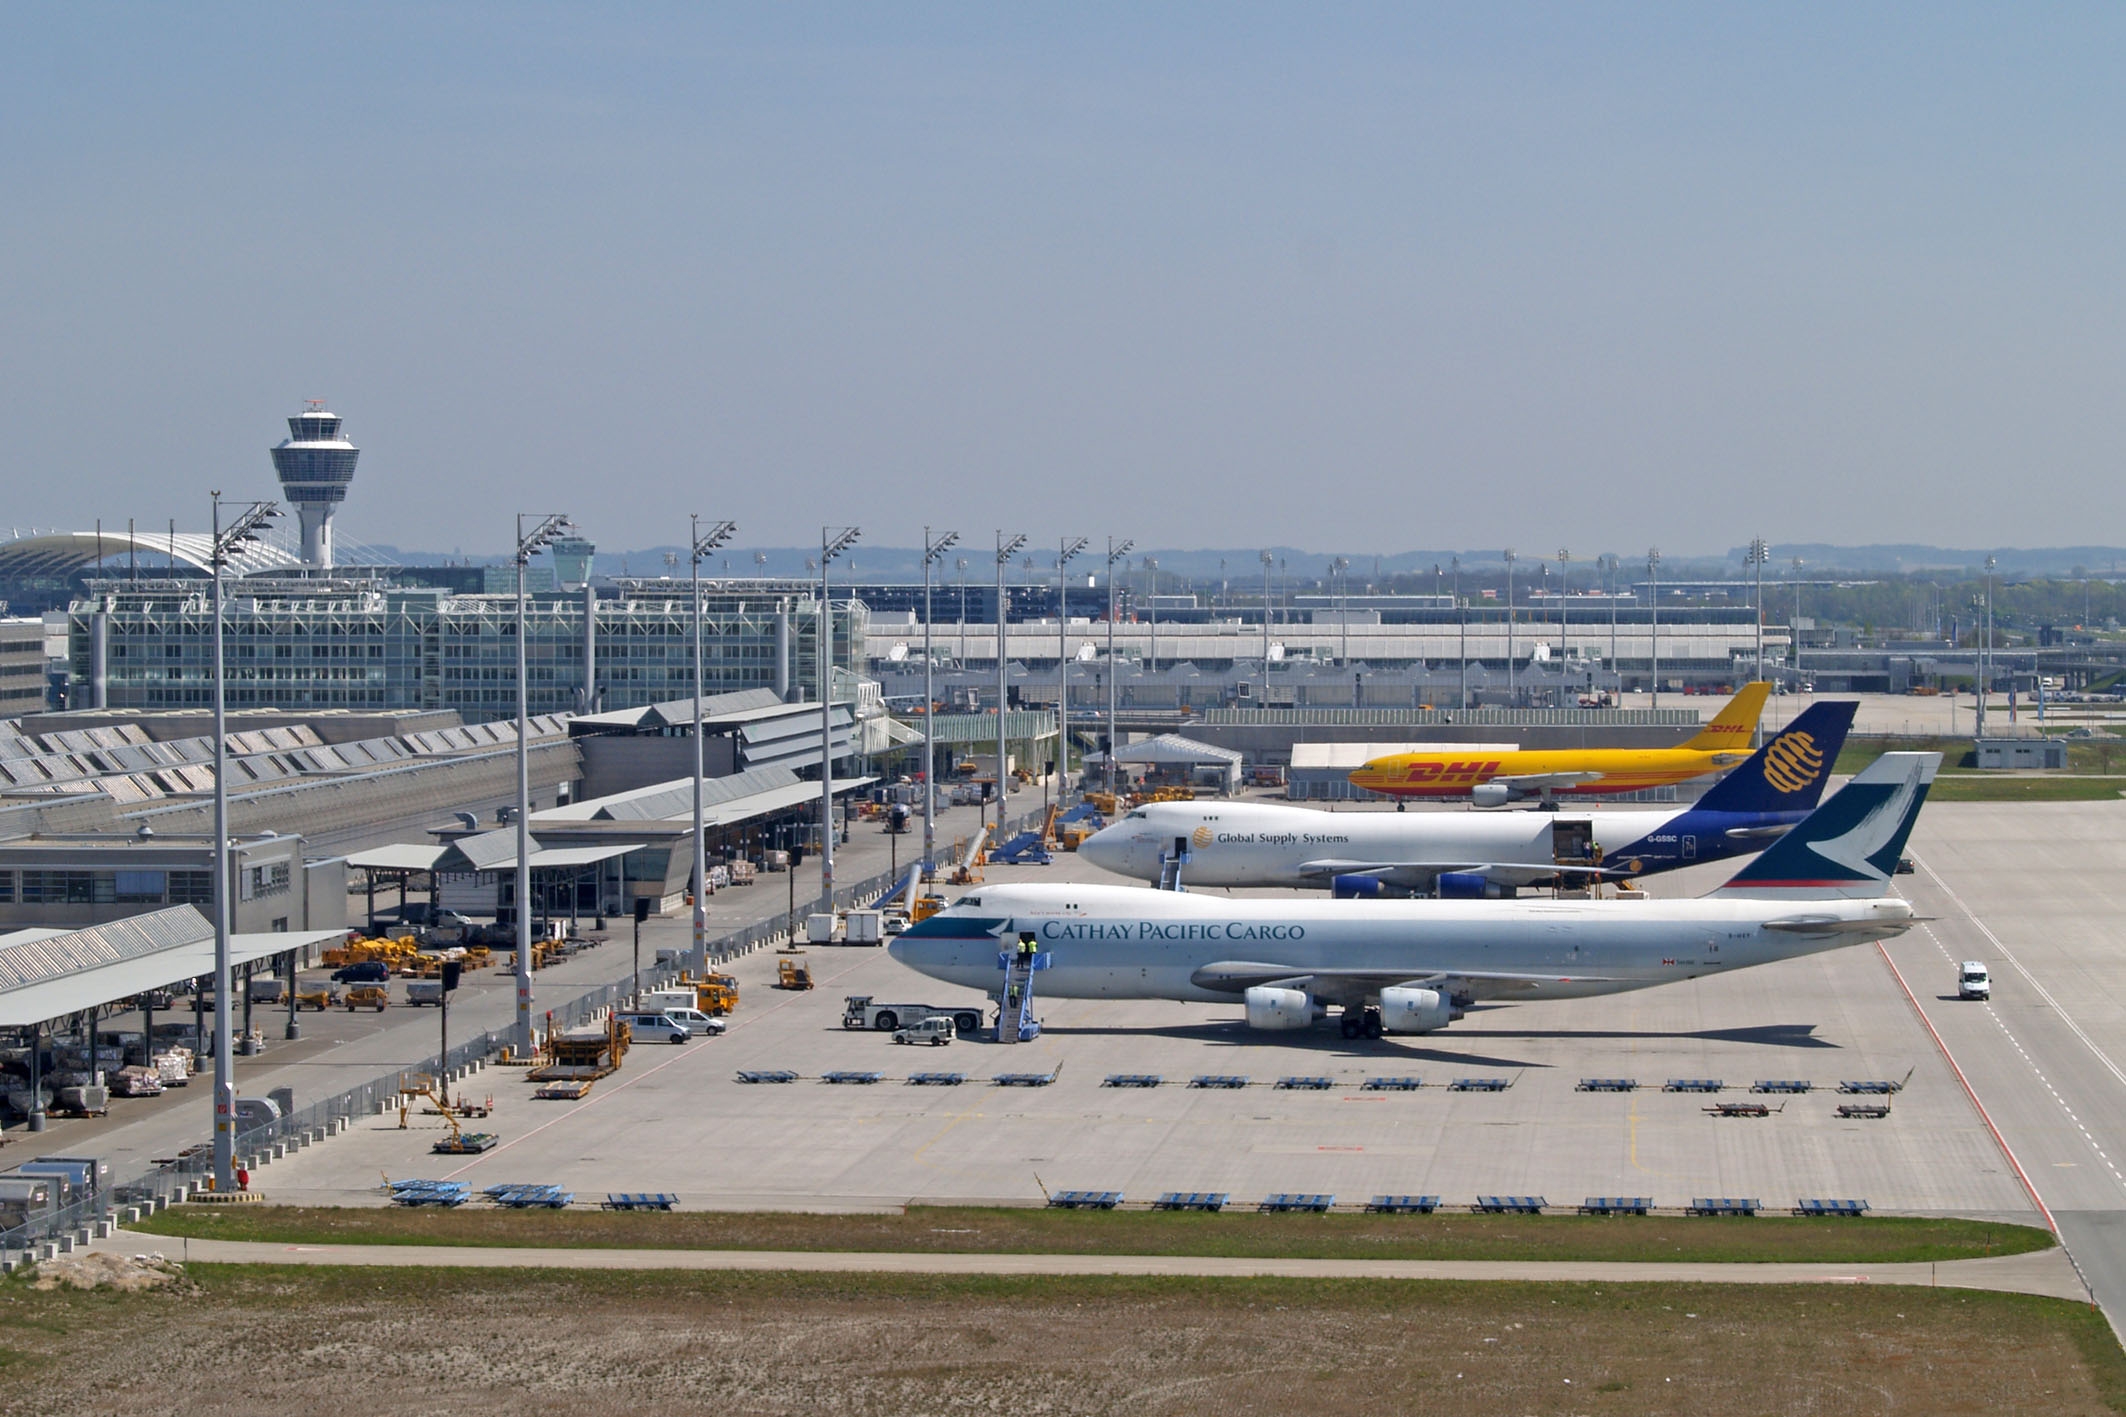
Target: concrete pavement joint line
(2036, 1273)
(2009, 955)
(602, 1094)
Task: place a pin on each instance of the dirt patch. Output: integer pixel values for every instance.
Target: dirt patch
(127, 1274)
(369, 1343)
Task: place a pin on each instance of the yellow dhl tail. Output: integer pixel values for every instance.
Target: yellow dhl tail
(1736, 724)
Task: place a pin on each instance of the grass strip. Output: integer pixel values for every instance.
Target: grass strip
(1236, 1234)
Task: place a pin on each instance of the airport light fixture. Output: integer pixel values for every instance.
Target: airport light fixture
(545, 530)
(933, 548)
(250, 522)
(1510, 557)
(833, 541)
(1267, 561)
(1614, 565)
(1759, 551)
(1461, 617)
(1653, 595)
(1115, 552)
(1007, 547)
(959, 575)
(704, 542)
(1564, 611)
(1795, 633)
(1342, 566)
(1151, 566)
(1985, 657)
(1068, 549)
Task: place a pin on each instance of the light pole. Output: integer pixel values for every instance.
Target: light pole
(1461, 619)
(1342, 565)
(1614, 667)
(1267, 561)
(1985, 657)
(933, 547)
(1758, 552)
(1653, 591)
(1115, 552)
(244, 530)
(1511, 696)
(833, 541)
(1007, 547)
(548, 528)
(959, 565)
(1067, 548)
(1564, 611)
(1151, 565)
(704, 542)
(1795, 633)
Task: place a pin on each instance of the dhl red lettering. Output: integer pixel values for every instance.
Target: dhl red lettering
(1468, 770)
(1423, 772)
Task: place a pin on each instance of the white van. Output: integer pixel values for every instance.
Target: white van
(697, 1023)
(655, 1028)
(1972, 981)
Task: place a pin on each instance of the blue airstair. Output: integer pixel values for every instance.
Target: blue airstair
(1015, 1020)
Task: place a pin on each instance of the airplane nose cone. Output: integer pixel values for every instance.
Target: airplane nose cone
(1107, 848)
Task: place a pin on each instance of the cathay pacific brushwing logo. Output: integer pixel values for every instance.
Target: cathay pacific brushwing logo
(1854, 848)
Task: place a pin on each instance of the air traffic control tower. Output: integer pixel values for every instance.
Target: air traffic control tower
(315, 464)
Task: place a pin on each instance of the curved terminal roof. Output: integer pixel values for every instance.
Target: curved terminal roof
(64, 552)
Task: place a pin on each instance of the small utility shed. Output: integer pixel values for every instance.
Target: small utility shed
(1170, 751)
(2022, 753)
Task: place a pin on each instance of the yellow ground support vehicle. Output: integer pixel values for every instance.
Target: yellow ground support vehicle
(318, 1000)
(368, 996)
(925, 906)
(793, 973)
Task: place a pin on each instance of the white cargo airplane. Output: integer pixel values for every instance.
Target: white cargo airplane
(1474, 854)
(1412, 966)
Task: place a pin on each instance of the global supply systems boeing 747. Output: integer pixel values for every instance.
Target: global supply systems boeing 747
(1412, 966)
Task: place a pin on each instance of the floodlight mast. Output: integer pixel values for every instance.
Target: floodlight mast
(546, 529)
(933, 548)
(1512, 694)
(704, 542)
(1755, 558)
(1068, 549)
(1115, 552)
(249, 523)
(833, 541)
(1653, 595)
(1007, 547)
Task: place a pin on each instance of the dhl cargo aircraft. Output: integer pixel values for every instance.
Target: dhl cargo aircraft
(1493, 779)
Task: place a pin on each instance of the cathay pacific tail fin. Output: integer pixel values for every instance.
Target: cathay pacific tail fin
(1848, 847)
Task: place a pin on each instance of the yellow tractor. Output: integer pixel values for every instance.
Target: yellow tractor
(792, 973)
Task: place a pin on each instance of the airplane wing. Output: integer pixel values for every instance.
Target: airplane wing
(1424, 873)
(1238, 976)
(1826, 925)
(1545, 781)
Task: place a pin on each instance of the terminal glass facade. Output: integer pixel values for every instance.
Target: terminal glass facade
(364, 643)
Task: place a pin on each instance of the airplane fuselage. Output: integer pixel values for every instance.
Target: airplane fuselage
(1127, 942)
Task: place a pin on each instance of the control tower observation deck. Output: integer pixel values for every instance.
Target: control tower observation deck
(315, 465)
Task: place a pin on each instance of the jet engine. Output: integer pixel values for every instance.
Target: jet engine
(1492, 794)
(1280, 1008)
(1355, 887)
(1470, 885)
(1413, 1010)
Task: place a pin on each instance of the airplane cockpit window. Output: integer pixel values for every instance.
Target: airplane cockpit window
(1137, 816)
(970, 900)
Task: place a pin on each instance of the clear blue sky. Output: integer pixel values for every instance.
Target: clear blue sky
(1350, 278)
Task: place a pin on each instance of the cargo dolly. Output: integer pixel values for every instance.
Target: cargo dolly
(845, 1078)
(523, 1197)
(1391, 1084)
(1291, 1202)
(1023, 1079)
(1212, 1201)
(936, 1079)
(1607, 1085)
(1790, 1085)
(1299, 1084)
(443, 1193)
(1509, 1205)
(1815, 1206)
(1616, 1205)
(1693, 1085)
(1877, 1086)
(639, 1200)
(1742, 1109)
(1403, 1205)
(1723, 1205)
(1226, 1081)
(1864, 1111)
(766, 1075)
(1085, 1200)
(1133, 1080)
(1479, 1085)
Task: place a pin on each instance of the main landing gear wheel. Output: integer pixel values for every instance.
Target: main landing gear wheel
(1348, 1025)
(1371, 1025)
